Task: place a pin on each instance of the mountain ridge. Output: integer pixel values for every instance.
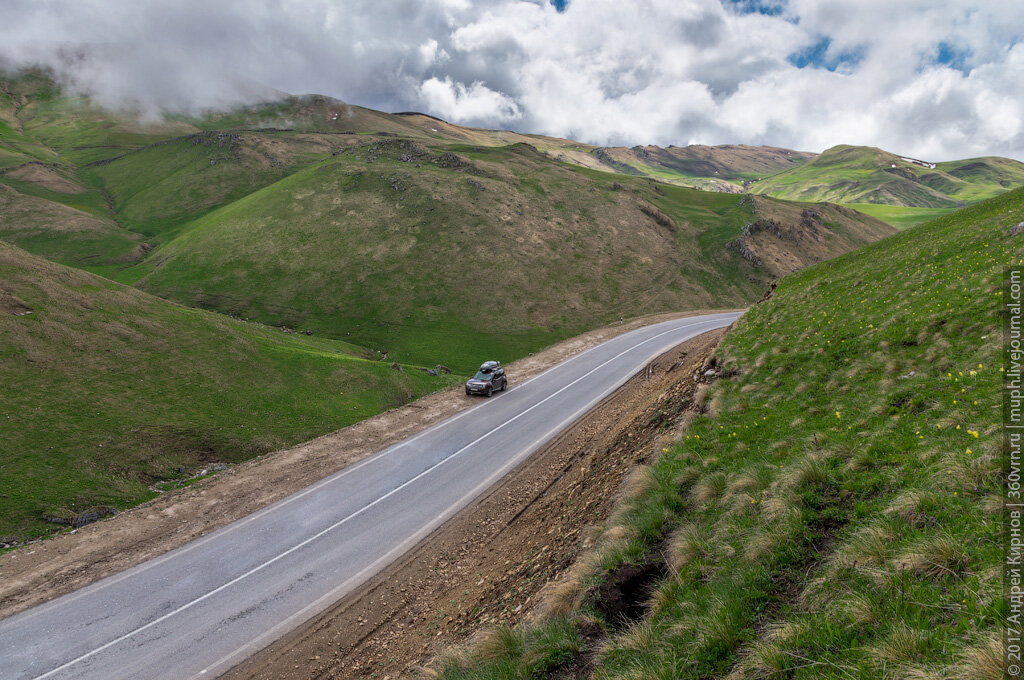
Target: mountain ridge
(439, 215)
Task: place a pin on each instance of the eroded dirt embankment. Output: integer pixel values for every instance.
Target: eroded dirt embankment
(488, 564)
(41, 571)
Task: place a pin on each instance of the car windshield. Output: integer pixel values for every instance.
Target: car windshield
(484, 375)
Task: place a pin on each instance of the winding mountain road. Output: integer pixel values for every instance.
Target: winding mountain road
(198, 610)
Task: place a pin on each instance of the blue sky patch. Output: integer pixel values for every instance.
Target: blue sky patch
(772, 8)
(953, 57)
(818, 56)
(559, 5)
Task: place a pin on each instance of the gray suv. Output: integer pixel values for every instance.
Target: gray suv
(490, 378)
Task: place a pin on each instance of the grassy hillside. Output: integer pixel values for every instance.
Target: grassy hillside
(76, 236)
(158, 188)
(899, 216)
(853, 174)
(446, 254)
(900, 191)
(45, 204)
(400, 232)
(836, 512)
(108, 390)
(716, 168)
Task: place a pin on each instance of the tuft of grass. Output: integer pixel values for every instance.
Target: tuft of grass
(935, 557)
(688, 544)
(507, 653)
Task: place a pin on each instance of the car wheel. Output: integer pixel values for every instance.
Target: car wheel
(468, 393)
(489, 390)
(504, 384)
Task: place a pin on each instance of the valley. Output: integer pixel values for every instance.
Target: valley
(338, 254)
(205, 317)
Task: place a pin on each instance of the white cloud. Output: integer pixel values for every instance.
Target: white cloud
(603, 71)
(456, 102)
(431, 54)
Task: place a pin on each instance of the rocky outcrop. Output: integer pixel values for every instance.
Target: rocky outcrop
(741, 247)
(657, 215)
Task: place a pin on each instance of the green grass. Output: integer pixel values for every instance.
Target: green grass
(87, 201)
(83, 133)
(510, 653)
(983, 177)
(900, 216)
(158, 189)
(72, 231)
(836, 513)
(108, 390)
(406, 271)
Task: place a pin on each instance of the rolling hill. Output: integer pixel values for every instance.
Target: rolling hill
(45, 133)
(441, 254)
(108, 390)
(899, 190)
(399, 232)
(852, 174)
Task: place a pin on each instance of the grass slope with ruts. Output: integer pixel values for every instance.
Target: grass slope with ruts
(836, 511)
(108, 390)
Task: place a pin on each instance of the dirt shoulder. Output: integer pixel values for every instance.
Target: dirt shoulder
(46, 569)
(488, 564)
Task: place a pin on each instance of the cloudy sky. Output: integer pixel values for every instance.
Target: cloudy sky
(935, 79)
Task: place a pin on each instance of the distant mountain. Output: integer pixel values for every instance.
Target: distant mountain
(716, 168)
(858, 174)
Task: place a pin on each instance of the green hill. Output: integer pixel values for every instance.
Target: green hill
(46, 205)
(108, 390)
(853, 174)
(898, 190)
(901, 191)
(443, 253)
(156, 189)
(399, 232)
(836, 512)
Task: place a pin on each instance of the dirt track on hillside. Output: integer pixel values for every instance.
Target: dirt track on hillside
(47, 569)
(488, 564)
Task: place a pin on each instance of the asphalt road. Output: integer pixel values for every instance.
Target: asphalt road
(198, 610)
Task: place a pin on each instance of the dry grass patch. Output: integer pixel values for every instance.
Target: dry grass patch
(687, 544)
(709, 488)
(934, 557)
(903, 644)
(984, 660)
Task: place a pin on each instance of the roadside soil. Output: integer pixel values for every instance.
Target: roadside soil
(488, 564)
(46, 569)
